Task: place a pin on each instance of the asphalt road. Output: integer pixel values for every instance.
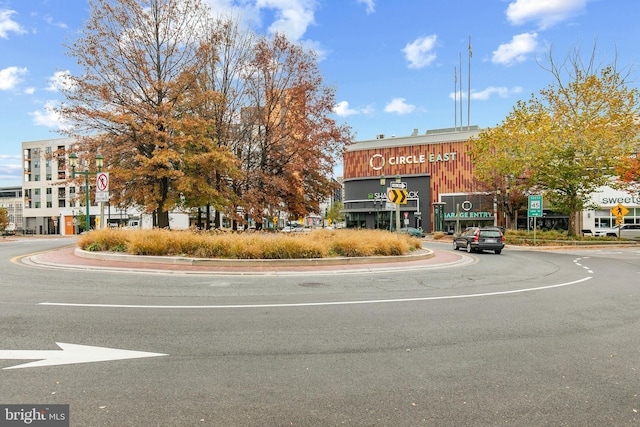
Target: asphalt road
(524, 338)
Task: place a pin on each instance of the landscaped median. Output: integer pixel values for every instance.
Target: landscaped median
(251, 249)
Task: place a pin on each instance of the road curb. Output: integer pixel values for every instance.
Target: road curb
(419, 255)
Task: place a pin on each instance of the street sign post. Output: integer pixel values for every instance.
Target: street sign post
(619, 211)
(102, 187)
(102, 195)
(397, 194)
(535, 211)
(535, 206)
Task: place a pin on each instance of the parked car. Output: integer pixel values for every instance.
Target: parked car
(627, 231)
(411, 231)
(478, 239)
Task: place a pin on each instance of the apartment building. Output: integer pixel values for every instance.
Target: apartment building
(11, 200)
(51, 203)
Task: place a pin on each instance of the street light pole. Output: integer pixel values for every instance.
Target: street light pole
(73, 160)
(398, 180)
(383, 180)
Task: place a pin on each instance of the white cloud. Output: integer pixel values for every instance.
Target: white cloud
(419, 53)
(30, 90)
(371, 6)
(59, 80)
(10, 77)
(502, 92)
(399, 106)
(59, 24)
(516, 50)
(48, 117)
(8, 25)
(484, 95)
(546, 13)
(10, 168)
(342, 109)
(293, 17)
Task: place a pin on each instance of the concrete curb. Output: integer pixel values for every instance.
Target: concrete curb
(210, 262)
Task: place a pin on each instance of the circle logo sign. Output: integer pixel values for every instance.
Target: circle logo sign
(466, 205)
(376, 162)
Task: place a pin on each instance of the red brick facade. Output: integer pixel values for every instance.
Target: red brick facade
(447, 163)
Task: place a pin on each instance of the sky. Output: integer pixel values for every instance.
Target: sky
(396, 65)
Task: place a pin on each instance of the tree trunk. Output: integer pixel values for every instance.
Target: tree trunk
(162, 218)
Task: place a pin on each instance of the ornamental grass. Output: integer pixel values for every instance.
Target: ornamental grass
(318, 243)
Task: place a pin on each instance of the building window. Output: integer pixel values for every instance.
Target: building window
(61, 203)
(49, 204)
(37, 205)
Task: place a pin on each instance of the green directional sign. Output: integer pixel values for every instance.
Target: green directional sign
(535, 206)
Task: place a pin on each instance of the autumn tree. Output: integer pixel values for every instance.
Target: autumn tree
(139, 60)
(289, 142)
(221, 80)
(4, 219)
(567, 142)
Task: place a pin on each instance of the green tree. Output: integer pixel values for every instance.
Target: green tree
(335, 212)
(568, 141)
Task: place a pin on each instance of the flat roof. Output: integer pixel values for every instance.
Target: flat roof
(435, 136)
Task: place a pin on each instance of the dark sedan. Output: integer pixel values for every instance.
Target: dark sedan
(478, 239)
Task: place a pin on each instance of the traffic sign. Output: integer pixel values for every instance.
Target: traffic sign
(535, 206)
(397, 195)
(619, 210)
(102, 196)
(402, 185)
(102, 187)
(102, 181)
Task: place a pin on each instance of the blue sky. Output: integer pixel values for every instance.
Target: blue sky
(393, 62)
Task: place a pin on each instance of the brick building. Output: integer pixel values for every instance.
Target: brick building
(436, 169)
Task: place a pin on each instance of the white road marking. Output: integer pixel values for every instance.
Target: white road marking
(318, 304)
(71, 354)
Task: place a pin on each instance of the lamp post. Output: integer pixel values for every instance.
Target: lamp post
(383, 181)
(398, 180)
(503, 205)
(73, 160)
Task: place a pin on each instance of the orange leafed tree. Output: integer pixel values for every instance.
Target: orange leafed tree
(290, 142)
(139, 61)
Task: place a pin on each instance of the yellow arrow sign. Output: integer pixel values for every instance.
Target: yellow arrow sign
(397, 195)
(619, 210)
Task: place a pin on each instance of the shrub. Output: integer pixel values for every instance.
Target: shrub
(260, 245)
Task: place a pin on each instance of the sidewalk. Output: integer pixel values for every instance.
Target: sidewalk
(76, 259)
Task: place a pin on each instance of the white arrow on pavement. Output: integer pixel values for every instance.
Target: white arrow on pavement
(70, 354)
